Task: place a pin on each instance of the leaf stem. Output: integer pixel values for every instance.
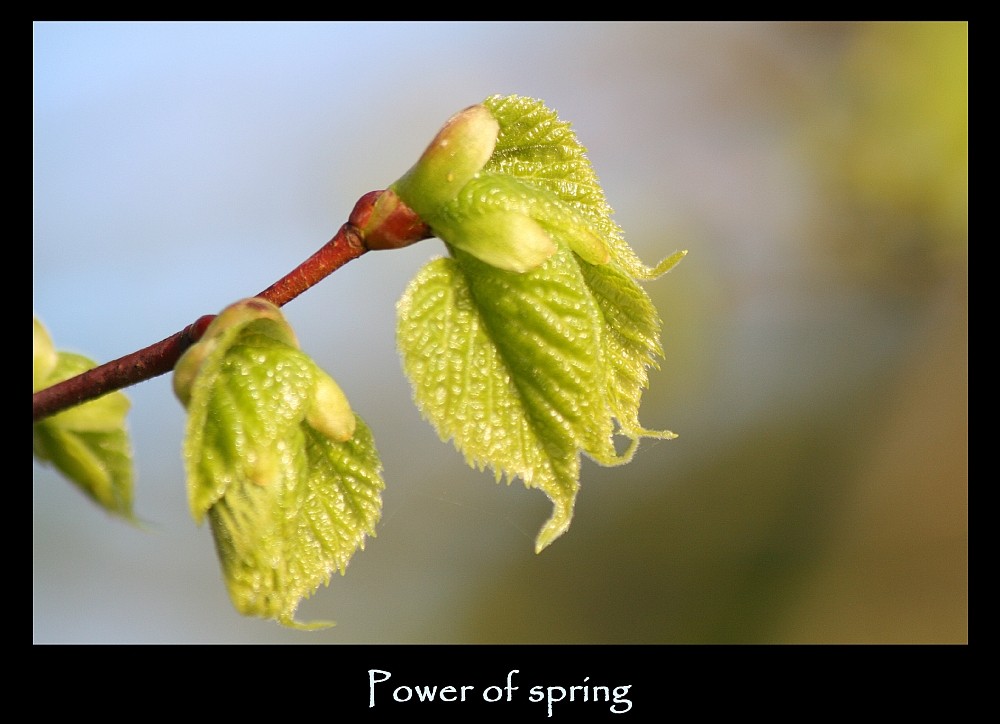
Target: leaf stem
(347, 244)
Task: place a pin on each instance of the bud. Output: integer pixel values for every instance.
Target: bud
(44, 356)
(458, 152)
(507, 240)
(329, 411)
(263, 314)
(514, 224)
(386, 222)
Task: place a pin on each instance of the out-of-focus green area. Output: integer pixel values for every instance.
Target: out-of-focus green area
(893, 148)
(841, 514)
(816, 367)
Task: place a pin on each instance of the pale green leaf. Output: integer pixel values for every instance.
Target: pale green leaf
(99, 463)
(279, 541)
(250, 397)
(525, 359)
(514, 369)
(539, 149)
(631, 336)
(89, 443)
(288, 476)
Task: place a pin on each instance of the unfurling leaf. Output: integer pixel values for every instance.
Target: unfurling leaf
(287, 474)
(530, 345)
(89, 443)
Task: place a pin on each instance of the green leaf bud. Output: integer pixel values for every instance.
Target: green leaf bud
(330, 413)
(504, 239)
(276, 460)
(88, 443)
(458, 152)
(528, 372)
(44, 356)
(493, 162)
(265, 316)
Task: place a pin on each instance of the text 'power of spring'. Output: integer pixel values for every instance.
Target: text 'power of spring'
(583, 693)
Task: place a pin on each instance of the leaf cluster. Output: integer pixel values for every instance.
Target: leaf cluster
(528, 347)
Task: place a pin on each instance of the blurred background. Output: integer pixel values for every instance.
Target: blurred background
(816, 335)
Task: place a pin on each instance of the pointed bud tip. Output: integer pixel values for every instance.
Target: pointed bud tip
(458, 152)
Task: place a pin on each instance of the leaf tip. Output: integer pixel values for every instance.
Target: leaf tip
(640, 271)
(290, 622)
(555, 526)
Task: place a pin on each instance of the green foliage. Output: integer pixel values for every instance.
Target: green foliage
(288, 476)
(528, 347)
(88, 444)
(527, 363)
(541, 153)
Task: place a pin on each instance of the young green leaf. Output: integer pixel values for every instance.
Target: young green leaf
(542, 152)
(89, 443)
(529, 346)
(287, 474)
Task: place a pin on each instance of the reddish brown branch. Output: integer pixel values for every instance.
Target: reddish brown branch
(348, 243)
(147, 363)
